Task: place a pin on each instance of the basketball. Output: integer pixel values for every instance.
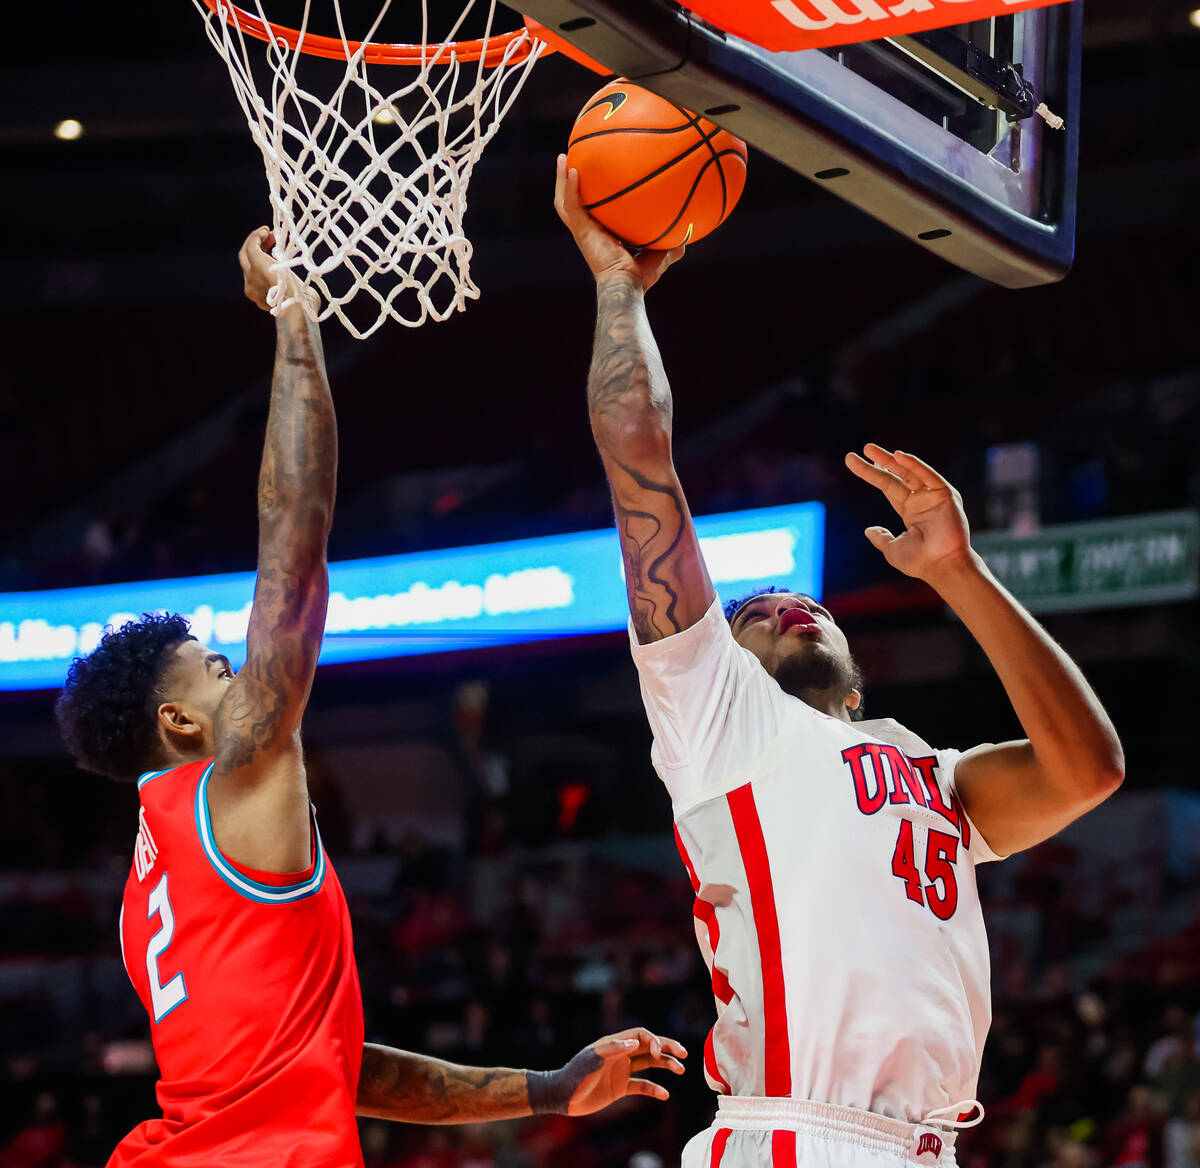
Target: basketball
(655, 174)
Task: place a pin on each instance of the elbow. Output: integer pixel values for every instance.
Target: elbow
(317, 518)
(301, 523)
(296, 543)
(640, 439)
(1110, 779)
(1108, 772)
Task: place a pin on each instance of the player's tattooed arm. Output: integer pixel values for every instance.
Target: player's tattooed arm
(413, 1088)
(629, 403)
(260, 716)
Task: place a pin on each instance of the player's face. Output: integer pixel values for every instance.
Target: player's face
(200, 679)
(796, 640)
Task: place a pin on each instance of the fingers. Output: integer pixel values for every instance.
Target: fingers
(560, 187)
(566, 193)
(645, 1087)
(572, 202)
(914, 473)
(879, 537)
(885, 459)
(674, 256)
(892, 487)
(664, 1062)
(652, 264)
(645, 1043)
(615, 1044)
(922, 471)
(676, 1048)
(259, 240)
(646, 1040)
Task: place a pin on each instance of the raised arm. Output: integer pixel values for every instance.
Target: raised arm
(412, 1088)
(258, 795)
(1017, 793)
(629, 402)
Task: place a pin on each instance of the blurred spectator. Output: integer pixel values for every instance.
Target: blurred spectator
(1043, 1079)
(1135, 1138)
(1181, 1134)
(41, 1142)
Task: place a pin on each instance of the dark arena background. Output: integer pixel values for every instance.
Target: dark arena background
(492, 812)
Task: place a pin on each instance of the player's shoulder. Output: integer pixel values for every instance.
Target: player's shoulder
(168, 797)
(894, 734)
(171, 781)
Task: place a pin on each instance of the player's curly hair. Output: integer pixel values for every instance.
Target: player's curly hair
(731, 610)
(105, 711)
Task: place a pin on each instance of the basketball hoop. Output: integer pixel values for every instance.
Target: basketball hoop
(368, 184)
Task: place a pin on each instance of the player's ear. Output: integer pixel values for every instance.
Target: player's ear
(176, 725)
(853, 700)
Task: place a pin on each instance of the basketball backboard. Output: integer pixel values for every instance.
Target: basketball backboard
(934, 133)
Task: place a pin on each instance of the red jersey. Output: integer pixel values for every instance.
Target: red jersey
(250, 983)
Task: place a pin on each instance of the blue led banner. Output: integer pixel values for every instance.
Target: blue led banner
(423, 602)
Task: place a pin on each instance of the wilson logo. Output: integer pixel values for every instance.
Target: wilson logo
(816, 15)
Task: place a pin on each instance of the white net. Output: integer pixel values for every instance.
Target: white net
(368, 183)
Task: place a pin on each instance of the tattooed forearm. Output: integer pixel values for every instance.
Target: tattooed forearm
(629, 402)
(395, 1084)
(626, 378)
(299, 465)
(650, 535)
(296, 486)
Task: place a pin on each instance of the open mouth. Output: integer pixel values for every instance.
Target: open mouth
(798, 618)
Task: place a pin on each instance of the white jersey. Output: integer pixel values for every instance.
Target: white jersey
(834, 871)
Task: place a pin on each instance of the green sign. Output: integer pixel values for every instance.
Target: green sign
(1141, 559)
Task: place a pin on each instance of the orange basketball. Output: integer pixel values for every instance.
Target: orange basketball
(655, 174)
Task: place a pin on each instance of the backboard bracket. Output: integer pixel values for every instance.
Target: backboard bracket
(994, 83)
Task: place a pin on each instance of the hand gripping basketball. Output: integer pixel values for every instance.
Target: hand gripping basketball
(606, 256)
(654, 173)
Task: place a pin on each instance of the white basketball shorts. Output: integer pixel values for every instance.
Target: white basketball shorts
(753, 1132)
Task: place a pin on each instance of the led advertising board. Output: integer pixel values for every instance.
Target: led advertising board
(421, 602)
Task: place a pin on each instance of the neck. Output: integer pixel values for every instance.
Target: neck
(828, 701)
(174, 756)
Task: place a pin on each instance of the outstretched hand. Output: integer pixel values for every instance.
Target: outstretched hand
(604, 1072)
(936, 535)
(605, 254)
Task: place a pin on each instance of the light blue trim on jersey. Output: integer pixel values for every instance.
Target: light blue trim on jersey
(239, 881)
(152, 775)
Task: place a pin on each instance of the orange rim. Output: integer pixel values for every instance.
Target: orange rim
(490, 52)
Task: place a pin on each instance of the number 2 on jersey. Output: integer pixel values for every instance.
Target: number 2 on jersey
(941, 853)
(164, 998)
